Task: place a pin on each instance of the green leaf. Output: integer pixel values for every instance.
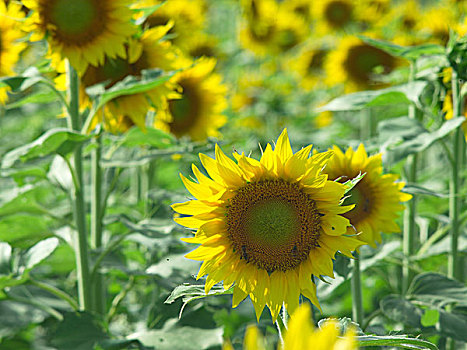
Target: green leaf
(20, 83)
(447, 290)
(422, 141)
(149, 79)
(189, 292)
(40, 97)
(402, 128)
(430, 318)
(150, 137)
(402, 310)
(77, 331)
(60, 141)
(401, 341)
(349, 184)
(420, 190)
(403, 94)
(21, 176)
(180, 338)
(39, 252)
(407, 52)
(23, 231)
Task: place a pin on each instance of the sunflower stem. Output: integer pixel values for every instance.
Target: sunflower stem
(81, 243)
(356, 285)
(96, 220)
(454, 184)
(408, 244)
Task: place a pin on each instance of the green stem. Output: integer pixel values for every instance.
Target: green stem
(41, 306)
(81, 243)
(356, 285)
(454, 185)
(55, 291)
(96, 220)
(408, 244)
(119, 298)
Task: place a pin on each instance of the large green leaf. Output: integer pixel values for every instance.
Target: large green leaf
(401, 94)
(77, 331)
(40, 97)
(150, 137)
(131, 85)
(413, 142)
(60, 141)
(180, 338)
(399, 341)
(447, 290)
(23, 231)
(20, 83)
(407, 52)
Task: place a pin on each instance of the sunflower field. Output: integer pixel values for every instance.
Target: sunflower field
(233, 174)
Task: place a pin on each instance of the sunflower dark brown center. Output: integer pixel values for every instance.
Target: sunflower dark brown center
(361, 196)
(186, 110)
(363, 59)
(273, 224)
(338, 13)
(75, 21)
(316, 61)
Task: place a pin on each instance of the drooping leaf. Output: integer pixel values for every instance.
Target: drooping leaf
(407, 52)
(420, 142)
(59, 141)
(23, 231)
(401, 94)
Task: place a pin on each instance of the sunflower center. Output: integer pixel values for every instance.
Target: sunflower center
(338, 13)
(186, 110)
(273, 224)
(359, 195)
(363, 59)
(316, 61)
(73, 17)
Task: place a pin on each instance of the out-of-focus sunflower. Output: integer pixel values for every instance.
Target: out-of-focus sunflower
(334, 15)
(301, 335)
(188, 18)
(84, 31)
(248, 87)
(198, 111)
(448, 110)
(310, 65)
(354, 63)
(10, 48)
(302, 8)
(150, 51)
(377, 197)
(405, 18)
(323, 119)
(202, 45)
(266, 226)
(371, 11)
(435, 23)
(273, 36)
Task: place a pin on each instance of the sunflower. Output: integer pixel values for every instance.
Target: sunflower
(377, 197)
(10, 48)
(435, 23)
(302, 8)
(84, 31)
(270, 30)
(188, 18)
(333, 15)
(202, 45)
(354, 63)
(373, 10)
(406, 18)
(448, 110)
(309, 65)
(198, 111)
(150, 51)
(301, 335)
(266, 226)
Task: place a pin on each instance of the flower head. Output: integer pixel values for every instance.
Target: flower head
(84, 31)
(377, 197)
(266, 226)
